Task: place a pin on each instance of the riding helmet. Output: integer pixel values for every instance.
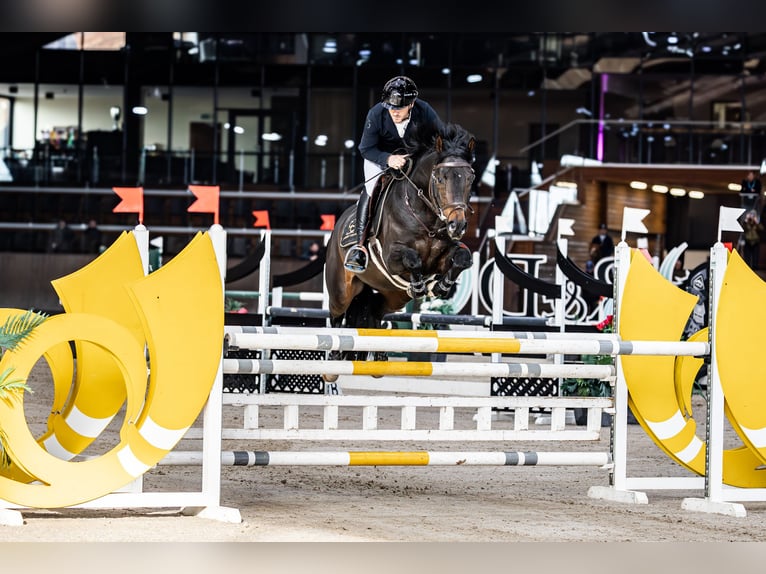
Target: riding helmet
(398, 92)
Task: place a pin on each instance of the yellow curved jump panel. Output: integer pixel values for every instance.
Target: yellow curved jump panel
(99, 391)
(180, 309)
(740, 352)
(652, 308)
(66, 483)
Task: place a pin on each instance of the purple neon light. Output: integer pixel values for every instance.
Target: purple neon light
(600, 139)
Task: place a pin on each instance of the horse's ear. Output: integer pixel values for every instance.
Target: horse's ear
(439, 144)
(471, 144)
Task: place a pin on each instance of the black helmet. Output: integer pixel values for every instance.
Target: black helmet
(398, 92)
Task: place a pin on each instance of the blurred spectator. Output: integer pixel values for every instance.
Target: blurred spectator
(750, 193)
(313, 251)
(601, 245)
(61, 238)
(90, 242)
(752, 239)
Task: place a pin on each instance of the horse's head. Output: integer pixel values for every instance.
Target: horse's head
(452, 177)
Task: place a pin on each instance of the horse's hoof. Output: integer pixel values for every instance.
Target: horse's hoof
(329, 378)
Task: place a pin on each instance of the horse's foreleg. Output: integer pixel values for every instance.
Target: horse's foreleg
(414, 264)
(460, 261)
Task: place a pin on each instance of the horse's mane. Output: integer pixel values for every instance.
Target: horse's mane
(455, 141)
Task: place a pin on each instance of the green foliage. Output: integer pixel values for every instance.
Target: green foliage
(12, 334)
(232, 305)
(592, 387)
(431, 306)
(19, 327)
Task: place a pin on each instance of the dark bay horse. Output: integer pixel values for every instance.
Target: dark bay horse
(415, 231)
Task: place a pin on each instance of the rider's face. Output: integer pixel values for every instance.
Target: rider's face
(401, 114)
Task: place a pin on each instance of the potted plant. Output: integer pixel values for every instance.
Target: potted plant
(581, 387)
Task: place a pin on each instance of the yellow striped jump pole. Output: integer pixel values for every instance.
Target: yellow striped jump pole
(415, 369)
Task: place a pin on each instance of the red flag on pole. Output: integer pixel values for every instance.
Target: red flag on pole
(132, 201)
(328, 222)
(261, 219)
(207, 200)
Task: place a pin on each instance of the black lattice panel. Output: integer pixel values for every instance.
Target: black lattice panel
(310, 384)
(240, 383)
(524, 387)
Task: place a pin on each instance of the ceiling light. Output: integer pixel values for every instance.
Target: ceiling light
(638, 185)
(140, 110)
(569, 184)
(349, 144)
(696, 194)
(271, 137)
(734, 187)
(677, 191)
(330, 46)
(660, 188)
(446, 71)
(672, 39)
(474, 78)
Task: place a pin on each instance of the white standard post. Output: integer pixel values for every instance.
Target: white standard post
(213, 417)
(264, 276)
(619, 445)
(497, 289)
(475, 268)
(264, 286)
(560, 303)
(714, 501)
(620, 438)
(325, 292)
(141, 235)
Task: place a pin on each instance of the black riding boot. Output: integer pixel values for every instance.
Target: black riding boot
(356, 257)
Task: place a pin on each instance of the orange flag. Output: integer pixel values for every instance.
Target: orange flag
(261, 219)
(132, 201)
(328, 222)
(207, 200)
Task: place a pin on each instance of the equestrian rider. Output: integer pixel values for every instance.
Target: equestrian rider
(399, 112)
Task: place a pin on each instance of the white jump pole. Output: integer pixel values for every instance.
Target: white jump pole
(499, 344)
(392, 458)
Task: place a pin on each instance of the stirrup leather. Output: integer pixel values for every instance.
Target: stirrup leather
(356, 268)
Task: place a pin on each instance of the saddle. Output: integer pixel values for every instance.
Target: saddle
(382, 189)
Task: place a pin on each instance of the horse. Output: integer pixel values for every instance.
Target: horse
(419, 217)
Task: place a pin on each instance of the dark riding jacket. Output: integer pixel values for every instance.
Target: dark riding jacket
(380, 138)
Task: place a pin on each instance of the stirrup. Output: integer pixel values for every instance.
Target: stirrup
(354, 267)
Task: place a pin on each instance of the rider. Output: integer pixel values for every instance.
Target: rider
(398, 112)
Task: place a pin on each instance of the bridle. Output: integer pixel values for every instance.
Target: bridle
(433, 198)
